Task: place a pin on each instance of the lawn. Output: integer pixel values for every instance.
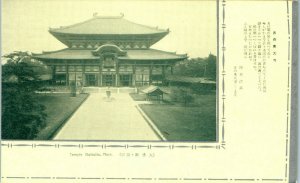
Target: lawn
(138, 97)
(59, 107)
(179, 123)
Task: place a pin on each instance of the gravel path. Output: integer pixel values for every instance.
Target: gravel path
(99, 118)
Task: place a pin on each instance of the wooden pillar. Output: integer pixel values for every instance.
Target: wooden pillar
(67, 75)
(163, 73)
(133, 74)
(53, 74)
(83, 75)
(117, 74)
(150, 73)
(100, 75)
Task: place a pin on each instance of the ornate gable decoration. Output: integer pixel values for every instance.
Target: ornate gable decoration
(109, 50)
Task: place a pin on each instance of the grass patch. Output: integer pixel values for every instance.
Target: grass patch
(59, 107)
(179, 123)
(138, 96)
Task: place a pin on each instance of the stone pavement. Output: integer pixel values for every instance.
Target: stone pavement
(99, 118)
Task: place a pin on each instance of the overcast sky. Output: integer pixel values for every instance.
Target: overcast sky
(25, 24)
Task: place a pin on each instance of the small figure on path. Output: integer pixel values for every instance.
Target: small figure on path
(108, 93)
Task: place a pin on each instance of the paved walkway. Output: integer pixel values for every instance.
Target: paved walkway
(101, 119)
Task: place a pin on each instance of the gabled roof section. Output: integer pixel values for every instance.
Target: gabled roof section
(108, 48)
(66, 54)
(152, 54)
(152, 89)
(108, 25)
(131, 55)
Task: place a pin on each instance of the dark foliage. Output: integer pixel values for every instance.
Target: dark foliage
(22, 115)
(182, 95)
(197, 67)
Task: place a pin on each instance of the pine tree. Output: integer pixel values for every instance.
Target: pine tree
(22, 115)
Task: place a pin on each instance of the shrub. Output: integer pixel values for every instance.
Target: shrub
(182, 95)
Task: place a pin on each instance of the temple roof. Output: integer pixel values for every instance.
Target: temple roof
(101, 30)
(151, 54)
(115, 25)
(86, 54)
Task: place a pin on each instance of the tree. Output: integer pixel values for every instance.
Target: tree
(197, 67)
(182, 95)
(211, 69)
(22, 114)
(194, 67)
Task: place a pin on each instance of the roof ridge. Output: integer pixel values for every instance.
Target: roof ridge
(95, 15)
(73, 25)
(174, 52)
(106, 17)
(167, 30)
(113, 17)
(49, 52)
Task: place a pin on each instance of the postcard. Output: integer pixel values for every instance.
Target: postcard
(149, 91)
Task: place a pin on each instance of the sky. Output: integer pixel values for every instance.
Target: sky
(192, 24)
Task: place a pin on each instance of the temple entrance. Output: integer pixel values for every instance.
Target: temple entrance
(90, 80)
(125, 79)
(60, 79)
(108, 80)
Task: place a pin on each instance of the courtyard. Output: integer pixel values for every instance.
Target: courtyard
(102, 118)
(59, 108)
(180, 121)
(126, 116)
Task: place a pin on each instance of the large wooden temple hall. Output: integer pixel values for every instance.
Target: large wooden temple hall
(109, 51)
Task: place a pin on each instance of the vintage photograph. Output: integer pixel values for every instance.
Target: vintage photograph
(109, 71)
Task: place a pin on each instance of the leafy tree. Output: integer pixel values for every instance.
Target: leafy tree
(182, 95)
(22, 115)
(194, 67)
(197, 67)
(211, 70)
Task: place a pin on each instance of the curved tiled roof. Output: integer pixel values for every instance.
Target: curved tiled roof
(108, 26)
(85, 54)
(67, 54)
(151, 54)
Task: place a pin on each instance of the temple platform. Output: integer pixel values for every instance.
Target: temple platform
(112, 89)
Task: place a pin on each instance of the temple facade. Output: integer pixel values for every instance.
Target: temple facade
(109, 51)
